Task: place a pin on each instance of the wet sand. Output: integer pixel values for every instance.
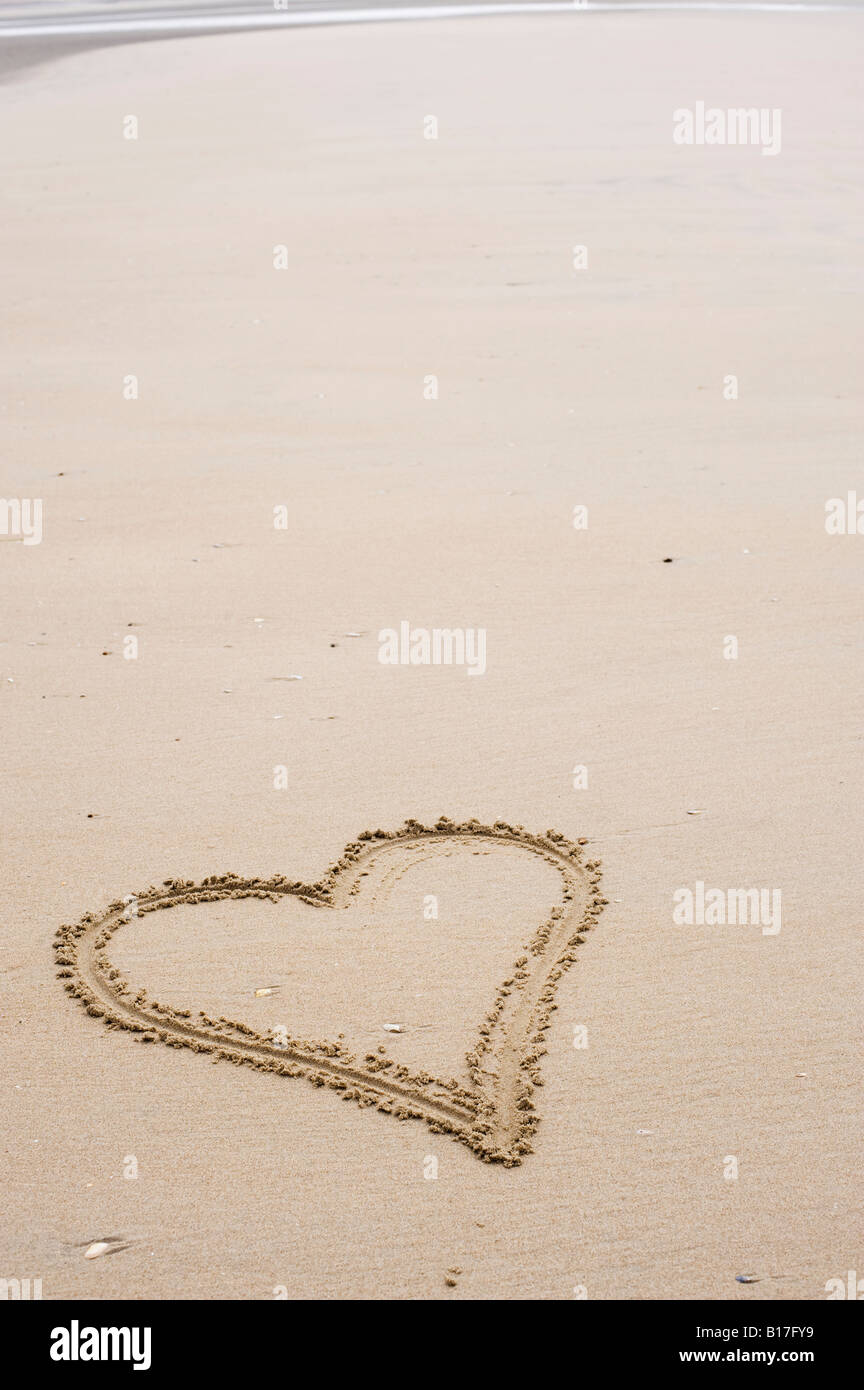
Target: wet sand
(305, 394)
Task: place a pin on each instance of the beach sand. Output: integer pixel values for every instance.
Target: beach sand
(306, 388)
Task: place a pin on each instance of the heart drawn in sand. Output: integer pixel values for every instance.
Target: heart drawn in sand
(491, 1109)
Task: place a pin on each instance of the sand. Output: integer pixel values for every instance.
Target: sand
(672, 1049)
(494, 1115)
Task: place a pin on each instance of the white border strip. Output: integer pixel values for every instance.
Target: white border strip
(296, 19)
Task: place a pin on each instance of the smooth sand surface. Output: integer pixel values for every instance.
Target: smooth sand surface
(304, 388)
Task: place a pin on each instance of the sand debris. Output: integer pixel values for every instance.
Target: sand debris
(109, 1245)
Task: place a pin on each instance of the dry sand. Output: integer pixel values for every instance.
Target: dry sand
(304, 388)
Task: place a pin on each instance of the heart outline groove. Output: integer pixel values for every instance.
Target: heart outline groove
(493, 1113)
